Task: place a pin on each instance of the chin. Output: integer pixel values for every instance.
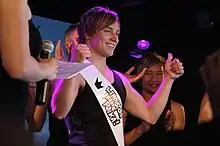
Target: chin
(109, 54)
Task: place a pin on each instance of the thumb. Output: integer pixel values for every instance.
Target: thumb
(170, 57)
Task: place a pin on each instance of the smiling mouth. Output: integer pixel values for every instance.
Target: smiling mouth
(111, 45)
(153, 85)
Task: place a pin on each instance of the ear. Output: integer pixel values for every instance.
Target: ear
(68, 44)
(87, 38)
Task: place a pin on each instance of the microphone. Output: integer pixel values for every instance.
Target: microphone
(41, 88)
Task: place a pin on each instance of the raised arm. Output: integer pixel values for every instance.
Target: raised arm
(151, 111)
(67, 90)
(14, 42)
(64, 96)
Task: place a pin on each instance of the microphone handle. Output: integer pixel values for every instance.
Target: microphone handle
(42, 86)
(41, 92)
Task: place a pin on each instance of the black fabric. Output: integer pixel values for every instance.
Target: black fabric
(86, 120)
(156, 134)
(58, 132)
(13, 94)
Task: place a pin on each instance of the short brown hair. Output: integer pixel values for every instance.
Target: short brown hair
(94, 20)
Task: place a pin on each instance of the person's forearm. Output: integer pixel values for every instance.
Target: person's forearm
(132, 136)
(32, 71)
(36, 122)
(158, 101)
(63, 98)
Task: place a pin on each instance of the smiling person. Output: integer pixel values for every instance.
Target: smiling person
(138, 132)
(87, 115)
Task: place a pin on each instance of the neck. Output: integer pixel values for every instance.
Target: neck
(99, 62)
(146, 95)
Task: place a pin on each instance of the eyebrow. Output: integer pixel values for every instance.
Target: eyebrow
(118, 30)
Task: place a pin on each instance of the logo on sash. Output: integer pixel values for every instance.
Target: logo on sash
(98, 84)
(112, 106)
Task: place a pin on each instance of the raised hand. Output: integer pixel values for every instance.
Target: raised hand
(134, 78)
(59, 53)
(173, 68)
(80, 53)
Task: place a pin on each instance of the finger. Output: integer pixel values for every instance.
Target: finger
(130, 70)
(82, 45)
(58, 44)
(176, 63)
(59, 54)
(169, 59)
(57, 49)
(142, 73)
(177, 70)
(84, 51)
(87, 55)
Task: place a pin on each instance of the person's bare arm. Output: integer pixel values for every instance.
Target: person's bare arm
(36, 115)
(14, 42)
(205, 114)
(138, 107)
(135, 133)
(179, 116)
(64, 96)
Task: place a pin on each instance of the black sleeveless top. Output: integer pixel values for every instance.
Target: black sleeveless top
(157, 133)
(14, 99)
(86, 121)
(58, 132)
(14, 92)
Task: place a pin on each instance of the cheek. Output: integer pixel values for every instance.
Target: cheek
(144, 81)
(95, 42)
(160, 78)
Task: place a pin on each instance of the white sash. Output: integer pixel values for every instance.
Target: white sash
(108, 99)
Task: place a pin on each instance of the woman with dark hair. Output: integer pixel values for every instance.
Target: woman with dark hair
(172, 118)
(97, 120)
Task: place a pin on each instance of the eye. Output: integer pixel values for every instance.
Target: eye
(147, 73)
(107, 30)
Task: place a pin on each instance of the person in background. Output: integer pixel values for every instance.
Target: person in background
(138, 132)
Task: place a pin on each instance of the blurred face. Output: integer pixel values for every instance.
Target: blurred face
(71, 40)
(152, 78)
(105, 41)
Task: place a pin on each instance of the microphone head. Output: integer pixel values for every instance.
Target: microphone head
(47, 46)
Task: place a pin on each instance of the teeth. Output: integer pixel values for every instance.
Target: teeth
(110, 45)
(153, 86)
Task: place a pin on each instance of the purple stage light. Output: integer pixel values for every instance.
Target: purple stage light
(143, 44)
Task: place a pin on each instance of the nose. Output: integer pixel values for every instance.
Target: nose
(153, 78)
(114, 38)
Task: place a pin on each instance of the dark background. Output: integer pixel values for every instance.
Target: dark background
(187, 28)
